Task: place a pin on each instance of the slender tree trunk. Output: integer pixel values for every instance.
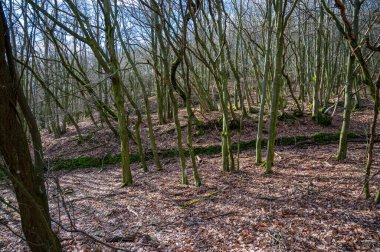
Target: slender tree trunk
(137, 129)
(140, 80)
(117, 85)
(318, 72)
(372, 143)
(227, 155)
(350, 77)
(189, 139)
(277, 81)
(260, 124)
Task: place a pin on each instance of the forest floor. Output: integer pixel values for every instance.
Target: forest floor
(101, 141)
(310, 202)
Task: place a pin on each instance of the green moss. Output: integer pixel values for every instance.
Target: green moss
(352, 135)
(377, 198)
(253, 110)
(286, 116)
(326, 138)
(195, 201)
(283, 141)
(85, 162)
(298, 113)
(199, 132)
(80, 140)
(340, 103)
(199, 124)
(358, 107)
(219, 122)
(169, 154)
(323, 138)
(234, 124)
(200, 128)
(209, 150)
(310, 106)
(323, 119)
(249, 145)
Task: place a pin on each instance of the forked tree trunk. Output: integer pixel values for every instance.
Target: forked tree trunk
(371, 145)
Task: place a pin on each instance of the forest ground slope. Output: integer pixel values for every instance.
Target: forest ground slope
(311, 202)
(101, 142)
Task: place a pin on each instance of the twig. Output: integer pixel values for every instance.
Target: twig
(75, 230)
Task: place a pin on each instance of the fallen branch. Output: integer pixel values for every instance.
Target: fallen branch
(75, 230)
(129, 238)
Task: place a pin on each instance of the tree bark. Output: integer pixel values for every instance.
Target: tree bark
(28, 182)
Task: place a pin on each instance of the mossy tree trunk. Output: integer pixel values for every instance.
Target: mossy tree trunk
(350, 77)
(117, 86)
(369, 161)
(227, 154)
(189, 138)
(276, 87)
(140, 81)
(347, 30)
(137, 129)
(281, 21)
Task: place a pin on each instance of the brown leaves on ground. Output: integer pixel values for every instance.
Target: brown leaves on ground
(100, 141)
(311, 202)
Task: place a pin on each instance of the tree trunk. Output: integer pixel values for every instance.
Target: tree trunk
(372, 141)
(260, 124)
(318, 72)
(118, 95)
(28, 183)
(342, 150)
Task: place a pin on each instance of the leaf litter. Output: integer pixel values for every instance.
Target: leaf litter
(311, 202)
